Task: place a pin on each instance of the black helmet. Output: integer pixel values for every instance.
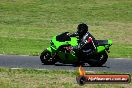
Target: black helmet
(82, 29)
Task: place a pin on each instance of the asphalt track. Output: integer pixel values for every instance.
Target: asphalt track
(33, 62)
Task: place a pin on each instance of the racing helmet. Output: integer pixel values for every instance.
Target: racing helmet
(82, 29)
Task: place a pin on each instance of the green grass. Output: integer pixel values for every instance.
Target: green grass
(29, 78)
(27, 26)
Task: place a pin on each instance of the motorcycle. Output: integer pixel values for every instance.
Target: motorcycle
(57, 51)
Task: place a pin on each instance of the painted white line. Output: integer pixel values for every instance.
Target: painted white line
(23, 55)
(90, 71)
(48, 69)
(16, 68)
(27, 68)
(121, 58)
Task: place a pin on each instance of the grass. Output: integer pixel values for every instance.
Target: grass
(27, 26)
(29, 78)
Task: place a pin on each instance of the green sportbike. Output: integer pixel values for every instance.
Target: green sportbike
(57, 52)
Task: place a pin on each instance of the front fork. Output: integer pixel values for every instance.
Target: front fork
(51, 51)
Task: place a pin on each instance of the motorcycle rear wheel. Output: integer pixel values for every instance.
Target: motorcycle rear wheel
(99, 60)
(46, 58)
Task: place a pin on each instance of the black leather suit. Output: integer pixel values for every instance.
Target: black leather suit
(83, 41)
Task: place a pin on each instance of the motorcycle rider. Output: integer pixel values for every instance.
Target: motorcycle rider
(84, 38)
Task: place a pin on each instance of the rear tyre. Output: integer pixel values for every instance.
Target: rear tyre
(46, 58)
(99, 60)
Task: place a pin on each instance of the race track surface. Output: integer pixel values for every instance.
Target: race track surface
(33, 62)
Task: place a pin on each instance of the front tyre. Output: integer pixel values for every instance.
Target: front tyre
(99, 60)
(46, 58)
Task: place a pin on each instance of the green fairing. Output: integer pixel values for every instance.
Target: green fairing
(56, 44)
(102, 48)
(110, 42)
(73, 42)
(49, 49)
(68, 57)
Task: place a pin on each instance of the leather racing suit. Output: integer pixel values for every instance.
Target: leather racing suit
(83, 40)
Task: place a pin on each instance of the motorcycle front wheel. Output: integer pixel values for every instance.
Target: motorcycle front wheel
(46, 58)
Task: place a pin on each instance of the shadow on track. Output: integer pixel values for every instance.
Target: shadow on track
(84, 65)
